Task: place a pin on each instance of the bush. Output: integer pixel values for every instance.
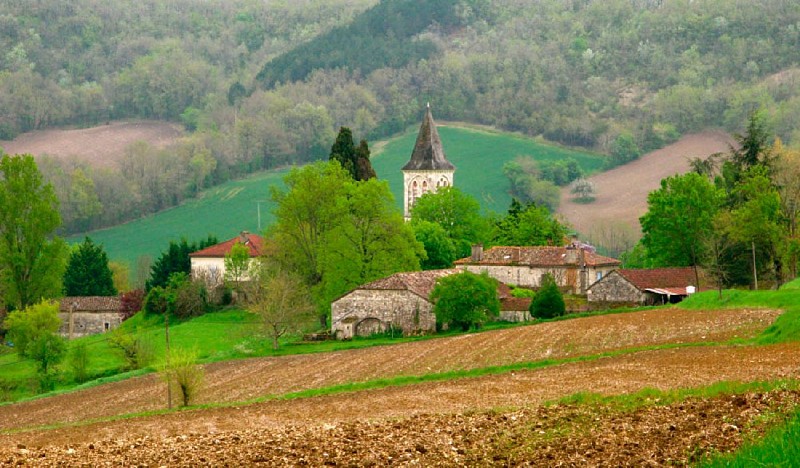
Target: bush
(548, 302)
(79, 362)
(465, 300)
(132, 302)
(183, 375)
(137, 352)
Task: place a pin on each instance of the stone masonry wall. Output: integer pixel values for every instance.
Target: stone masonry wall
(404, 309)
(89, 323)
(614, 288)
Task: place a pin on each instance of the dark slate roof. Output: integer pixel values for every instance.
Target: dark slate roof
(91, 304)
(428, 154)
(660, 278)
(254, 243)
(541, 256)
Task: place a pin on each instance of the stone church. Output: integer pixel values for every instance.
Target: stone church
(428, 169)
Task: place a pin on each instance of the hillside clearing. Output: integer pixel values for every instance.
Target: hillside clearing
(102, 146)
(622, 192)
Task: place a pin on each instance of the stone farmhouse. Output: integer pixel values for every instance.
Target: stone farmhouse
(645, 286)
(208, 264)
(90, 315)
(400, 301)
(428, 169)
(574, 267)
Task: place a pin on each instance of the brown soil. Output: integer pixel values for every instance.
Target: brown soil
(100, 146)
(452, 423)
(251, 378)
(622, 191)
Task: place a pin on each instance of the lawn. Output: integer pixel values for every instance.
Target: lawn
(479, 156)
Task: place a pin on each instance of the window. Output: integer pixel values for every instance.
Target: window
(106, 326)
(599, 275)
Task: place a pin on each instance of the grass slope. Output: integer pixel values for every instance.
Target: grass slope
(227, 209)
(223, 211)
(479, 156)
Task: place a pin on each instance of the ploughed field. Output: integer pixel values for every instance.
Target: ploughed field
(496, 418)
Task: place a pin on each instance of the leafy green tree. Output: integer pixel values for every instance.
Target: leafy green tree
(237, 265)
(33, 258)
(34, 332)
(529, 225)
(88, 272)
(457, 213)
(371, 240)
(175, 260)
(439, 249)
(465, 300)
(183, 375)
(548, 301)
(679, 217)
(344, 152)
(623, 150)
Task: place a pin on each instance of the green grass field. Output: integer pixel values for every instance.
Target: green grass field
(227, 209)
(223, 211)
(479, 156)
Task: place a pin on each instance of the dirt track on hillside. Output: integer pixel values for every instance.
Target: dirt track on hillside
(251, 378)
(622, 192)
(103, 145)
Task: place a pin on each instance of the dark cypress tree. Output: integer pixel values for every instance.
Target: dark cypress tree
(344, 151)
(87, 272)
(364, 170)
(548, 301)
(175, 260)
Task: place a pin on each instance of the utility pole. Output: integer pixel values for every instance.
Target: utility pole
(258, 207)
(166, 358)
(755, 271)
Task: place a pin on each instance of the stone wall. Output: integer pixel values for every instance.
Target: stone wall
(88, 323)
(614, 288)
(571, 279)
(356, 313)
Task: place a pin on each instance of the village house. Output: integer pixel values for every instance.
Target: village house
(89, 315)
(573, 267)
(208, 264)
(401, 302)
(646, 286)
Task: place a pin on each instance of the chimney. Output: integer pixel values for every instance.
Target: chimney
(477, 252)
(244, 237)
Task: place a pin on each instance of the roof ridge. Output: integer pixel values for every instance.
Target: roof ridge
(428, 153)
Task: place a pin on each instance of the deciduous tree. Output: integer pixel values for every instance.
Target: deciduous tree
(457, 213)
(465, 300)
(34, 258)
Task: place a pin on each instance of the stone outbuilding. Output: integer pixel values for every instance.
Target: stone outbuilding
(398, 301)
(209, 264)
(644, 286)
(573, 267)
(89, 315)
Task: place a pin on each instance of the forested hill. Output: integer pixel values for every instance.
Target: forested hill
(261, 84)
(384, 36)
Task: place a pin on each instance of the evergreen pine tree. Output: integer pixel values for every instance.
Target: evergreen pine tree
(344, 151)
(364, 170)
(88, 273)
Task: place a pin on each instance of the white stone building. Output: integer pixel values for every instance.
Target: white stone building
(209, 264)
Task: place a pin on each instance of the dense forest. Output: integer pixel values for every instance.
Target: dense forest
(262, 84)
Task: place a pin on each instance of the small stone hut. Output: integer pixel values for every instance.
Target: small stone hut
(651, 286)
(399, 301)
(89, 315)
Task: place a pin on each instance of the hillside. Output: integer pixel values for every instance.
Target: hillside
(660, 350)
(101, 146)
(622, 191)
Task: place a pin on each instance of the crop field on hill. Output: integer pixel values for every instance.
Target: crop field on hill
(102, 146)
(660, 386)
(479, 156)
(223, 211)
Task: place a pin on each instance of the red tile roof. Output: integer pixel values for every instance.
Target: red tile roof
(540, 256)
(420, 283)
(253, 241)
(660, 278)
(515, 304)
(90, 304)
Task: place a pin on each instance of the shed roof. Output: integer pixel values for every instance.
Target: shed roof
(253, 242)
(660, 278)
(540, 256)
(90, 304)
(428, 153)
(420, 283)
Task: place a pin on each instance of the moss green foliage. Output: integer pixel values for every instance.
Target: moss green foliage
(465, 300)
(439, 249)
(548, 301)
(33, 331)
(181, 297)
(32, 257)
(88, 273)
(183, 374)
(458, 213)
(528, 225)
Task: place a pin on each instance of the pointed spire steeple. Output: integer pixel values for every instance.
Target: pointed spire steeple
(428, 154)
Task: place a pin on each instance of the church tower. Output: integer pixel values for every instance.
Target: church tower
(428, 169)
